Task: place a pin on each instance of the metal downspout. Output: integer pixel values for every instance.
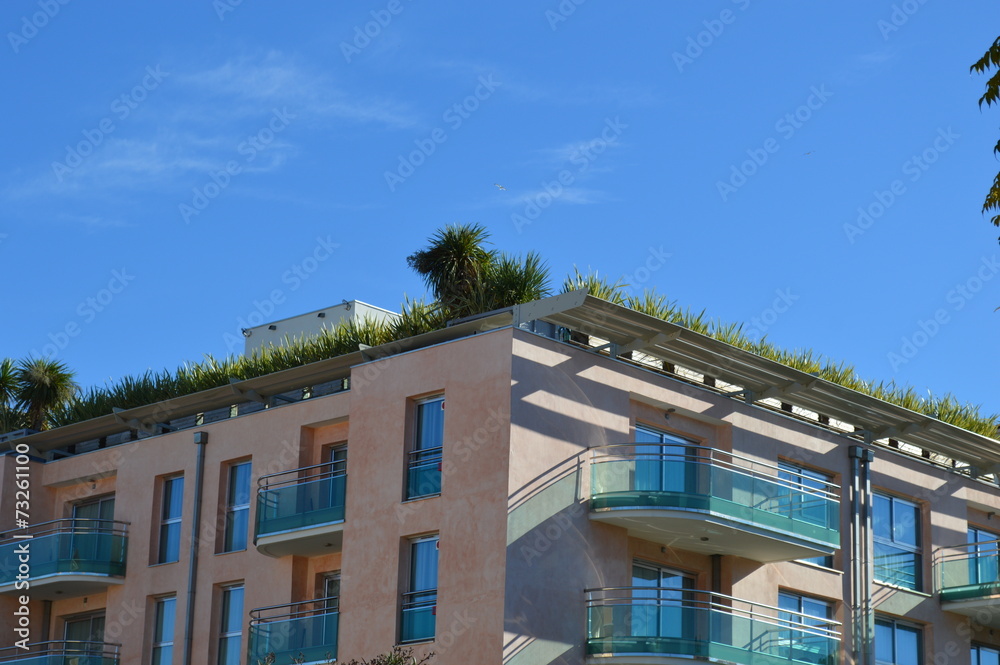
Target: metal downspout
(200, 440)
(861, 557)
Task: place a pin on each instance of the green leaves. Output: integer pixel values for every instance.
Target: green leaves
(991, 60)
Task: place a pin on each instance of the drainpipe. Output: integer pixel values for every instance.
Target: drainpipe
(200, 440)
(863, 622)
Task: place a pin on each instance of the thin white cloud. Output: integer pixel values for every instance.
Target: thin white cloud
(568, 196)
(201, 121)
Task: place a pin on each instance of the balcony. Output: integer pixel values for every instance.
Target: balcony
(301, 512)
(660, 626)
(423, 476)
(968, 580)
(710, 501)
(61, 653)
(64, 558)
(306, 631)
(419, 616)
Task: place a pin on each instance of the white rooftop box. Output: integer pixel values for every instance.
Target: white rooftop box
(278, 332)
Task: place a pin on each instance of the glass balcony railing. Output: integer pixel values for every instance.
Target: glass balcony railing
(65, 547)
(419, 616)
(303, 632)
(695, 478)
(647, 622)
(423, 476)
(301, 498)
(61, 653)
(968, 571)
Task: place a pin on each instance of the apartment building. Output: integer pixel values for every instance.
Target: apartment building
(567, 481)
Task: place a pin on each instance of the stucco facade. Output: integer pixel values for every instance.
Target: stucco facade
(536, 538)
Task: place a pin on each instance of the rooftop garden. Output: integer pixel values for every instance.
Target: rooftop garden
(466, 277)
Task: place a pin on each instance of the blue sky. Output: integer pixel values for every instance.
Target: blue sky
(174, 171)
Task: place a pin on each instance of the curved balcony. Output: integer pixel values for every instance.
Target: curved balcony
(968, 580)
(306, 631)
(62, 653)
(64, 558)
(661, 626)
(301, 512)
(711, 501)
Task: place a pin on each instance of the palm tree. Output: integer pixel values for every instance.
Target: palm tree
(508, 280)
(454, 263)
(466, 278)
(42, 385)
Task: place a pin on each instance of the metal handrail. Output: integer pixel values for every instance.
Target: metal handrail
(430, 454)
(263, 485)
(939, 556)
(715, 605)
(59, 648)
(413, 604)
(712, 459)
(256, 618)
(71, 524)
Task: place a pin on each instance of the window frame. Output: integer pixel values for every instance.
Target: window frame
(808, 478)
(422, 455)
(167, 522)
(896, 625)
(160, 645)
(975, 654)
(230, 539)
(412, 562)
(226, 617)
(916, 550)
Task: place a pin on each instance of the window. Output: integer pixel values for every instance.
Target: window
(897, 643)
(661, 602)
(985, 655)
(237, 508)
(809, 507)
(93, 531)
(896, 532)
(331, 592)
(163, 631)
(420, 601)
(170, 520)
(85, 633)
(424, 472)
(102, 508)
(803, 645)
(662, 464)
(231, 627)
(983, 557)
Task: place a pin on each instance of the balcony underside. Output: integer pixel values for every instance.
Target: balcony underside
(64, 585)
(711, 533)
(979, 601)
(309, 541)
